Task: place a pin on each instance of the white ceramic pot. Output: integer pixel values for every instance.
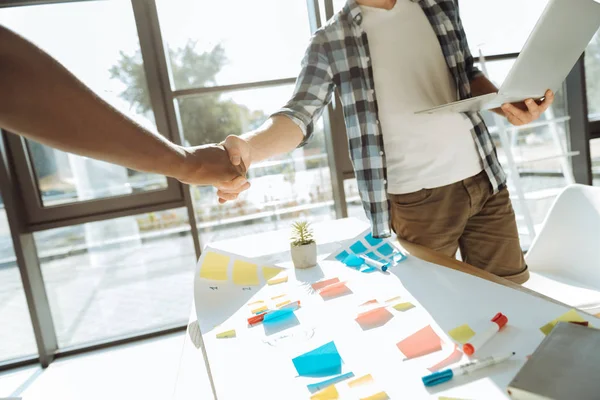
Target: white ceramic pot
(304, 256)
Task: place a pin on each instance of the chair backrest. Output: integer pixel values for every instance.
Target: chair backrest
(569, 241)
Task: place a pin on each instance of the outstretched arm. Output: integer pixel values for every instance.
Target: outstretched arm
(42, 101)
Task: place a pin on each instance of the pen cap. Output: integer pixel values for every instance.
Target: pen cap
(500, 320)
(437, 377)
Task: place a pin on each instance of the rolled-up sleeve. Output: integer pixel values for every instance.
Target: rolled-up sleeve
(313, 91)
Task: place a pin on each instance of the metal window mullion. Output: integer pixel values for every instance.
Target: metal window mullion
(190, 92)
(157, 70)
(27, 261)
(579, 127)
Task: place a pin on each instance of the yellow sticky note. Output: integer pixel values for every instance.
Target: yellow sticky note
(404, 306)
(270, 272)
(214, 267)
(329, 393)
(377, 396)
(245, 273)
(448, 398)
(276, 281)
(570, 316)
(226, 334)
(393, 300)
(278, 297)
(363, 380)
(462, 334)
(255, 302)
(283, 303)
(260, 309)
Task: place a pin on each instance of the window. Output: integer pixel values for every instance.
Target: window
(499, 27)
(592, 77)
(16, 333)
(110, 63)
(256, 41)
(540, 152)
(120, 277)
(595, 155)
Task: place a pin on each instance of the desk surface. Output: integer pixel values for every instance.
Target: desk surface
(436, 292)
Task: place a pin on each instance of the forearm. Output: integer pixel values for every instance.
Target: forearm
(43, 101)
(278, 135)
(481, 86)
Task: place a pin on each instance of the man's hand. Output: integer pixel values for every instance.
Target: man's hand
(240, 156)
(209, 165)
(528, 111)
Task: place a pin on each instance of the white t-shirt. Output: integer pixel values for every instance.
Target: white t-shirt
(411, 74)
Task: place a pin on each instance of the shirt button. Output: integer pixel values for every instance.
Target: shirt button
(377, 122)
(385, 181)
(371, 91)
(381, 153)
(368, 59)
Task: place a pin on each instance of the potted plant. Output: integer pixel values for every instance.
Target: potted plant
(303, 246)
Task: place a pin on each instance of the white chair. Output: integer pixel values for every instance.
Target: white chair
(564, 259)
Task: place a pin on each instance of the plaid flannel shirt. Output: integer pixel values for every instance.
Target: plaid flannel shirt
(338, 58)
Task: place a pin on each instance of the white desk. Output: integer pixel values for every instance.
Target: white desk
(433, 288)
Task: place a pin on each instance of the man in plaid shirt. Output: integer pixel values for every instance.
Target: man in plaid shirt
(435, 180)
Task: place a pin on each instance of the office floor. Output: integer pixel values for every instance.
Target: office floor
(144, 370)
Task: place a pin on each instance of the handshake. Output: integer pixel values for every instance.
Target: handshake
(223, 166)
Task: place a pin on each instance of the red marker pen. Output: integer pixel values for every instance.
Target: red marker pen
(479, 340)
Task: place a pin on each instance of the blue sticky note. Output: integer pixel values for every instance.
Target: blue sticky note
(358, 248)
(354, 261)
(398, 256)
(373, 241)
(342, 256)
(278, 315)
(315, 387)
(368, 270)
(322, 361)
(386, 249)
(373, 256)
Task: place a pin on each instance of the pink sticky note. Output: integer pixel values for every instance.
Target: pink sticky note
(451, 359)
(374, 318)
(322, 284)
(369, 303)
(337, 289)
(421, 343)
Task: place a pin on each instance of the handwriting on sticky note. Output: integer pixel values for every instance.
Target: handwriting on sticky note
(214, 266)
(454, 357)
(329, 393)
(320, 285)
(462, 334)
(226, 335)
(322, 361)
(422, 342)
(270, 272)
(245, 273)
(404, 306)
(376, 396)
(569, 316)
(363, 380)
(277, 281)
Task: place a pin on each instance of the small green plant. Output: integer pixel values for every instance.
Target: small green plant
(302, 234)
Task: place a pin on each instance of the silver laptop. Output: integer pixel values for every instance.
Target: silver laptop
(560, 36)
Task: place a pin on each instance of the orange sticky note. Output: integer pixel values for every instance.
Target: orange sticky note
(245, 273)
(322, 284)
(363, 380)
(336, 289)
(214, 266)
(421, 343)
(369, 303)
(454, 357)
(374, 318)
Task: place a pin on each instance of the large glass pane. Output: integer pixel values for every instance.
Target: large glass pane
(16, 333)
(540, 152)
(226, 42)
(595, 154)
(295, 185)
(120, 277)
(592, 77)
(499, 27)
(97, 41)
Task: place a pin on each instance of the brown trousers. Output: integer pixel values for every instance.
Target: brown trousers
(465, 215)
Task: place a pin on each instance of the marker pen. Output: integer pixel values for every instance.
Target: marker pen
(465, 369)
(375, 264)
(496, 324)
